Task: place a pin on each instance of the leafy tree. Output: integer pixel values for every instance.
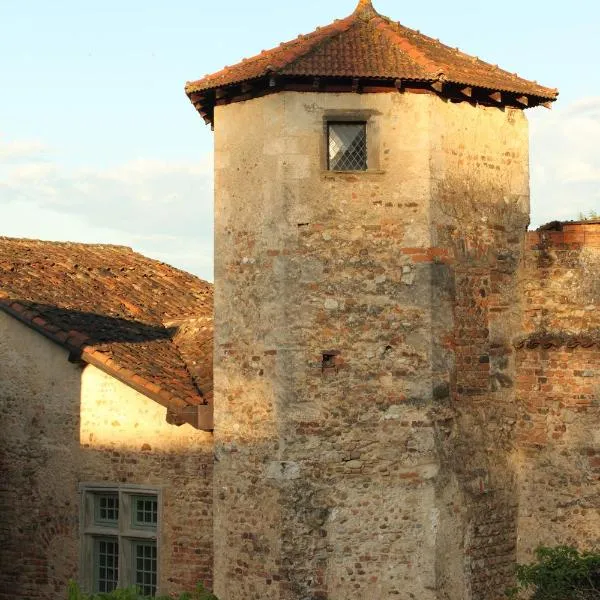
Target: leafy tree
(560, 573)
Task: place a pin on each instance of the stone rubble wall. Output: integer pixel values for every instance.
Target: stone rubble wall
(364, 370)
(558, 436)
(480, 207)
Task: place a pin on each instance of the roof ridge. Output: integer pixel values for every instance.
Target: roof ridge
(320, 35)
(391, 30)
(65, 243)
(365, 9)
(322, 40)
(206, 395)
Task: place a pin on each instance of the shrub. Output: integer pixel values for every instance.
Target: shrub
(561, 573)
(74, 593)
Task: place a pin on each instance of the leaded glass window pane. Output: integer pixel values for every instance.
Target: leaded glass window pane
(145, 511)
(144, 556)
(347, 146)
(107, 509)
(106, 553)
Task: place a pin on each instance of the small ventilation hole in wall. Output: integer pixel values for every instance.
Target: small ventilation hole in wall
(329, 360)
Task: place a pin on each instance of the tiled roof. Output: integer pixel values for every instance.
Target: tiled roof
(140, 320)
(369, 45)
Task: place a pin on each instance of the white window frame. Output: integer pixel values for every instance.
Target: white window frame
(126, 531)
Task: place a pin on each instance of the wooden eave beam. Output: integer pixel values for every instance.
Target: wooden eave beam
(496, 97)
(438, 86)
(467, 91)
(523, 100)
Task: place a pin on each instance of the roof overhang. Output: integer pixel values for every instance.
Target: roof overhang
(206, 99)
(179, 411)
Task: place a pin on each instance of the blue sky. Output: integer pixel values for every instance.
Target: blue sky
(98, 141)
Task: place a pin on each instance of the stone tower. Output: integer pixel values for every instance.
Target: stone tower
(371, 190)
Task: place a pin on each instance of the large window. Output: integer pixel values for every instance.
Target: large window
(347, 146)
(120, 530)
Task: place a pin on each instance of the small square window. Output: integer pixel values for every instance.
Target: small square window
(347, 146)
(106, 509)
(145, 511)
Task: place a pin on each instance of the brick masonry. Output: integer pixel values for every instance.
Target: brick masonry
(558, 388)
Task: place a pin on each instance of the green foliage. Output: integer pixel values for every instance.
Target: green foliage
(74, 593)
(561, 573)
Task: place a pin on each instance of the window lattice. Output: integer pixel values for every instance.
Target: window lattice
(146, 511)
(107, 563)
(145, 567)
(120, 539)
(107, 508)
(347, 146)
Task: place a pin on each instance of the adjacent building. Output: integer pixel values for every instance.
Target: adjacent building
(105, 396)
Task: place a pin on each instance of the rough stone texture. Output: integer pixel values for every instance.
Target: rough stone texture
(558, 451)
(60, 426)
(364, 368)
(480, 207)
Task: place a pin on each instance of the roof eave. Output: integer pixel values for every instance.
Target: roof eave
(80, 351)
(206, 98)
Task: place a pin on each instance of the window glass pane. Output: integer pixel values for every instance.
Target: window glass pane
(145, 511)
(144, 558)
(106, 564)
(347, 146)
(106, 509)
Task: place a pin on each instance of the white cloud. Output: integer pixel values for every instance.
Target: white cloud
(163, 209)
(565, 161)
(15, 150)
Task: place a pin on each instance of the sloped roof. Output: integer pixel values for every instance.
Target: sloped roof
(369, 45)
(140, 320)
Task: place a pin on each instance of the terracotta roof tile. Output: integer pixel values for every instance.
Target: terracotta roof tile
(146, 323)
(369, 45)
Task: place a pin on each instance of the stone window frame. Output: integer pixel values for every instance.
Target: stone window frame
(127, 531)
(372, 122)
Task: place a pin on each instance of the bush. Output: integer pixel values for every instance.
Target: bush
(561, 573)
(74, 593)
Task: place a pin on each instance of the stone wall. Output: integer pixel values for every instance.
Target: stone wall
(480, 208)
(558, 451)
(62, 425)
(363, 360)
